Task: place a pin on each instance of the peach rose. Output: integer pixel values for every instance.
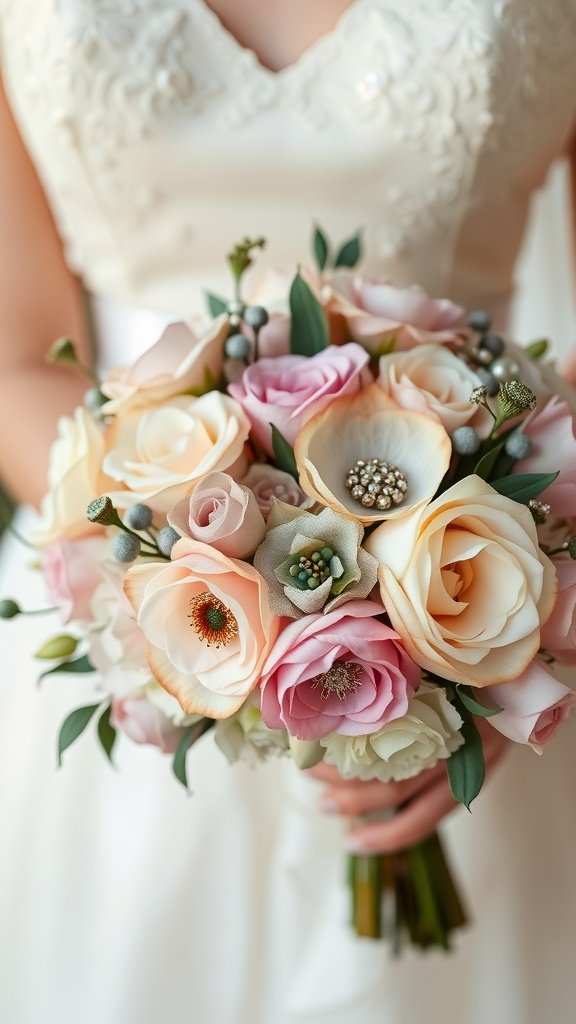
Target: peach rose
(221, 513)
(161, 453)
(208, 626)
(465, 584)
(75, 476)
(179, 362)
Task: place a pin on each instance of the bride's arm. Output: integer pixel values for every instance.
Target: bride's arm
(40, 300)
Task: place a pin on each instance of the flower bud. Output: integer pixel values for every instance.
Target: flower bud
(62, 351)
(9, 609)
(102, 511)
(305, 753)
(58, 647)
(125, 547)
(514, 398)
(138, 517)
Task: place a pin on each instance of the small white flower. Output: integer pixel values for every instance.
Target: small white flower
(245, 737)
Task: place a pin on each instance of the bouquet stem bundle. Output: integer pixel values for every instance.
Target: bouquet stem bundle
(406, 896)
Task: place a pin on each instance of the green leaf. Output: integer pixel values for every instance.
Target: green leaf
(522, 487)
(106, 732)
(283, 453)
(537, 349)
(350, 253)
(321, 248)
(309, 327)
(78, 665)
(216, 305)
(73, 726)
(192, 733)
(486, 464)
(465, 766)
(465, 694)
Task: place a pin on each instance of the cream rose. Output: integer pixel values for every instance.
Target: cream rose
(161, 453)
(75, 477)
(465, 584)
(208, 626)
(404, 747)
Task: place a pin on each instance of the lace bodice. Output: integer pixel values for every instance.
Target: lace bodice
(160, 140)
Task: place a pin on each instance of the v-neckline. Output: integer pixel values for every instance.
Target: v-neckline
(307, 54)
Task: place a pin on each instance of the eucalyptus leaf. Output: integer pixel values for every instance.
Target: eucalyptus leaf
(465, 766)
(522, 487)
(350, 253)
(309, 326)
(486, 464)
(106, 732)
(283, 453)
(321, 248)
(73, 726)
(473, 705)
(76, 665)
(537, 349)
(216, 305)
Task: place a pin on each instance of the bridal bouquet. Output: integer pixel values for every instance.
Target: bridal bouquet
(340, 528)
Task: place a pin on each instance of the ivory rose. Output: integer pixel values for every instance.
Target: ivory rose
(552, 432)
(532, 707)
(559, 633)
(465, 584)
(379, 313)
(344, 671)
(75, 476)
(161, 453)
(72, 572)
(432, 380)
(269, 484)
(208, 626)
(220, 513)
(178, 362)
(426, 734)
(289, 390)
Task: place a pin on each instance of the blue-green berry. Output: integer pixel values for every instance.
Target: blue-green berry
(255, 316)
(138, 517)
(237, 346)
(493, 343)
(9, 609)
(518, 446)
(166, 540)
(465, 441)
(125, 547)
(488, 380)
(479, 320)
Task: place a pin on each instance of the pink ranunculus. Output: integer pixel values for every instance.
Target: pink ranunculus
(72, 572)
(269, 484)
(290, 390)
(221, 513)
(143, 722)
(377, 311)
(553, 435)
(558, 635)
(343, 672)
(532, 707)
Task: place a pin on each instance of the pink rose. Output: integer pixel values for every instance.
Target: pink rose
(290, 390)
(268, 484)
(274, 338)
(343, 672)
(72, 572)
(558, 635)
(377, 311)
(221, 513)
(532, 707)
(139, 719)
(553, 435)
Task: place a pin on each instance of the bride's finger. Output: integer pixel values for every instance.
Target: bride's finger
(353, 799)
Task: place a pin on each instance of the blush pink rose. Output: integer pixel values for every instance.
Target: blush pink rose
(221, 513)
(553, 435)
(532, 707)
(558, 635)
(343, 672)
(290, 390)
(142, 722)
(72, 573)
(377, 311)
(269, 484)
(274, 338)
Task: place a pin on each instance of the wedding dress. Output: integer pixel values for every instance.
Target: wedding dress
(160, 141)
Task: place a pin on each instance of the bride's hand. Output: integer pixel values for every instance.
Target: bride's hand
(420, 804)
